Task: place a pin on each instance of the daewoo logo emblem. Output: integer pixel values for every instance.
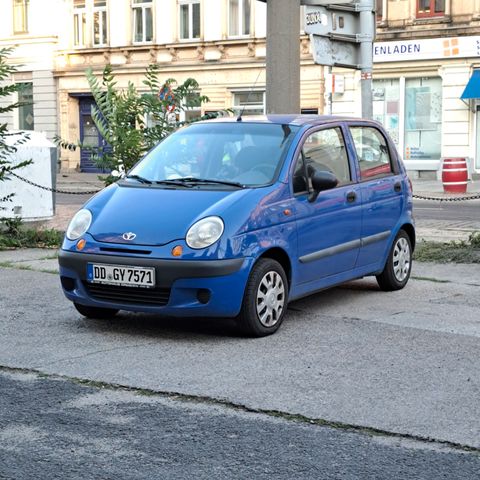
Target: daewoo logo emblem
(129, 235)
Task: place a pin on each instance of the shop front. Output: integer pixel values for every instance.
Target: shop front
(417, 95)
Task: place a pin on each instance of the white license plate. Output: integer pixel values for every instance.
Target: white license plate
(121, 275)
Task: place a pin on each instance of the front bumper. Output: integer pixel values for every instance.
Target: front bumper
(183, 287)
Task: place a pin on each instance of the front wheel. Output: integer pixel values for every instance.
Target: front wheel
(95, 312)
(397, 270)
(265, 299)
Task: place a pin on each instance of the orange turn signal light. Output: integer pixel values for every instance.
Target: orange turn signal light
(81, 244)
(177, 251)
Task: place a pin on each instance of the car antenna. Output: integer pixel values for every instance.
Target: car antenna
(239, 118)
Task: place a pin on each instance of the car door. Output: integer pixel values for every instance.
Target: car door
(328, 228)
(381, 188)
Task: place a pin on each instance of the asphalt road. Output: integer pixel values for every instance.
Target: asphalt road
(55, 428)
(467, 211)
(401, 367)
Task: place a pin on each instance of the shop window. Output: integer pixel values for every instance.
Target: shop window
(142, 21)
(423, 115)
(189, 13)
(100, 22)
(386, 106)
(430, 8)
(411, 110)
(25, 111)
(239, 15)
(249, 103)
(20, 16)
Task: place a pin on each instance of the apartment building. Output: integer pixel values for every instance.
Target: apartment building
(425, 55)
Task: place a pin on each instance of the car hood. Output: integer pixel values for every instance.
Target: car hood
(151, 215)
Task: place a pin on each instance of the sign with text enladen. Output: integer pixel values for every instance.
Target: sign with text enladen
(455, 47)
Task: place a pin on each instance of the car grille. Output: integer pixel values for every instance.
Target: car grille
(114, 293)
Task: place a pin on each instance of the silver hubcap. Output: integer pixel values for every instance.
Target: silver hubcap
(401, 259)
(270, 299)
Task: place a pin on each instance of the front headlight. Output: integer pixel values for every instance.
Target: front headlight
(79, 224)
(205, 232)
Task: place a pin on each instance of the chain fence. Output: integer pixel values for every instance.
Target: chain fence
(91, 192)
(448, 199)
(54, 190)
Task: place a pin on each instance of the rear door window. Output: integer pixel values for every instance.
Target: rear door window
(372, 152)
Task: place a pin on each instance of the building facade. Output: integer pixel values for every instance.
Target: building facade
(425, 53)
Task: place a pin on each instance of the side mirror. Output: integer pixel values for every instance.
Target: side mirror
(321, 180)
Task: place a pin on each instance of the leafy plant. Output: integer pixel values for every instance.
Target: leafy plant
(8, 141)
(451, 252)
(14, 234)
(132, 122)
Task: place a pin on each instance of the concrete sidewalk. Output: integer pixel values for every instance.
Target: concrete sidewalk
(81, 186)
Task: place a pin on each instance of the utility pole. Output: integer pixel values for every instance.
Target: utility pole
(283, 56)
(367, 30)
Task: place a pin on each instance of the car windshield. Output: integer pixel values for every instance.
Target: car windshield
(239, 154)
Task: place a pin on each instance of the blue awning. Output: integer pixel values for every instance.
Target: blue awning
(472, 90)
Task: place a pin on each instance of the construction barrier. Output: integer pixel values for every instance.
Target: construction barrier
(454, 175)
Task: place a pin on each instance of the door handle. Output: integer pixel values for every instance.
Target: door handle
(397, 187)
(351, 197)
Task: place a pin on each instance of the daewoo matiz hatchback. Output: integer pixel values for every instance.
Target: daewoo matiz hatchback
(238, 217)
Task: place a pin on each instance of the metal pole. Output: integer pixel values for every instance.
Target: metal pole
(283, 56)
(367, 31)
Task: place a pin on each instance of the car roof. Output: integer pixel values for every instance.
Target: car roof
(291, 119)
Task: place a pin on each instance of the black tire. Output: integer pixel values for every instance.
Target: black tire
(95, 312)
(265, 299)
(397, 270)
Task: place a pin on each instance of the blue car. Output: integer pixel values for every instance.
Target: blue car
(238, 217)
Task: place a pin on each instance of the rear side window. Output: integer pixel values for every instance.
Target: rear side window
(372, 152)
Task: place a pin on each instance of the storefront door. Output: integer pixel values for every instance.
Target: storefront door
(89, 135)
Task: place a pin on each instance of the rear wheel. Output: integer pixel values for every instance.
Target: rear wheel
(95, 312)
(265, 299)
(397, 270)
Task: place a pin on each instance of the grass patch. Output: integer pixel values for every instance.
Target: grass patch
(450, 252)
(14, 234)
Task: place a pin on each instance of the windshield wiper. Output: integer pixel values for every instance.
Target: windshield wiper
(140, 179)
(177, 183)
(210, 181)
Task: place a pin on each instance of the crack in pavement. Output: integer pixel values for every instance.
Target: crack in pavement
(286, 416)
(89, 354)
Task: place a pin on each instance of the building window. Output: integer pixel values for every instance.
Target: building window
(25, 111)
(386, 106)
(189, 13)
(411, 111)
(142, 21)
(249, 103)
(20, 16)
(430, 8)
(100, 22)
(239, 14)
(379, 9)
(79, 23)
(423, 117)
(90, 16)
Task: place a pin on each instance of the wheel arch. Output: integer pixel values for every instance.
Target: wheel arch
(410, 231)
(281, 256)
